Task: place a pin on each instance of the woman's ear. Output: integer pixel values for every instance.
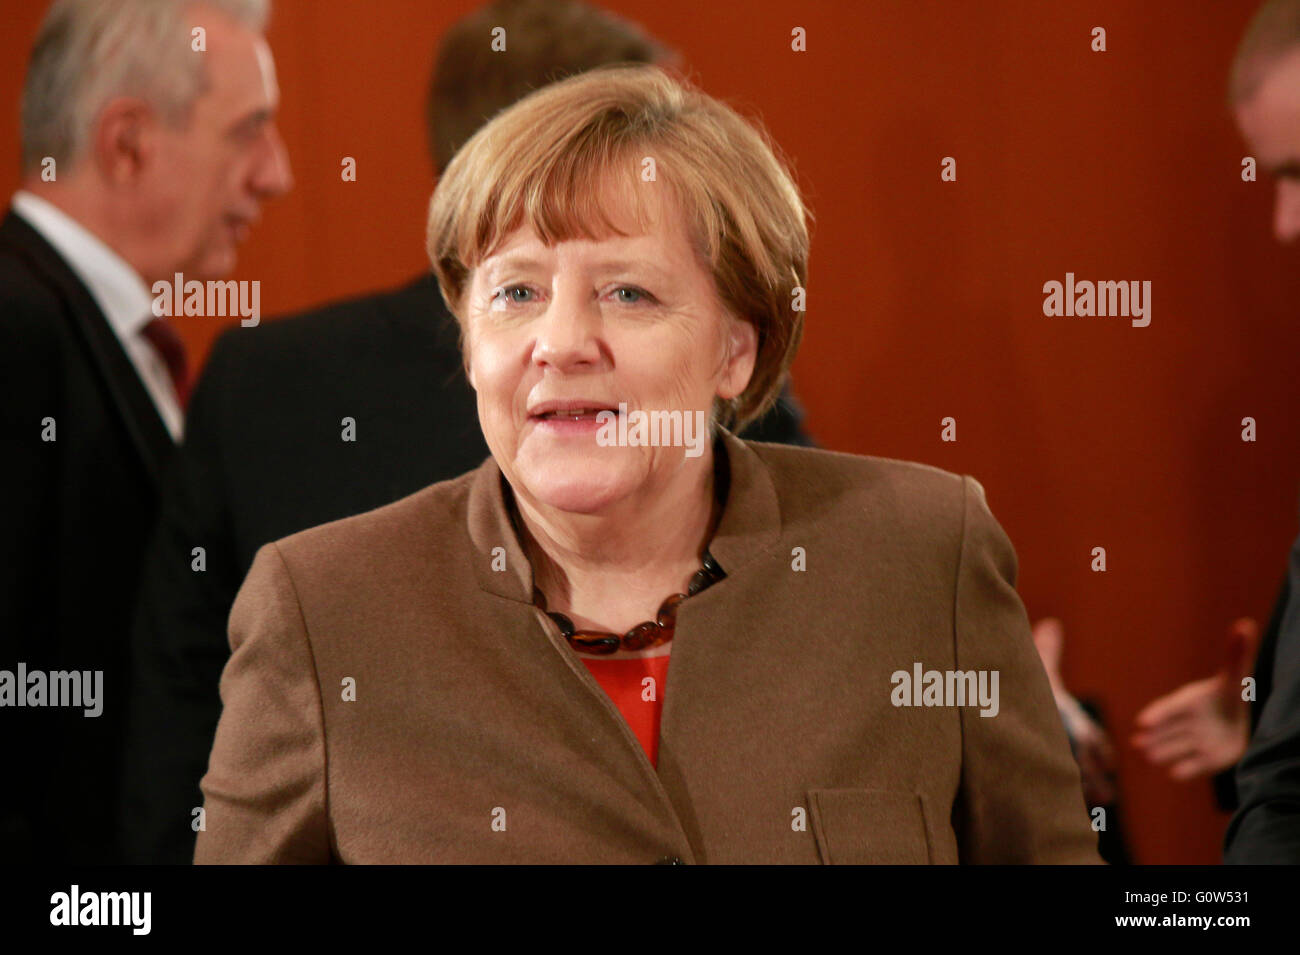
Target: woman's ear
(742, 355)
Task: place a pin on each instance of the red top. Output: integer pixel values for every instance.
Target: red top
(636, 686)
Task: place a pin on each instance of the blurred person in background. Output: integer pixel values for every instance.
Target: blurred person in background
(1090, 745)
(1265, 93)
(1213, 725)
(141, 158)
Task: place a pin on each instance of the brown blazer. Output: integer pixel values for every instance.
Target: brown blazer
(477, 735)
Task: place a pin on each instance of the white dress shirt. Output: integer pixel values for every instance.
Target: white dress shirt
(120, 293)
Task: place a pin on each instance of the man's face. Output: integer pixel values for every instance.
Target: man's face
(1270, 123)
(205, 188)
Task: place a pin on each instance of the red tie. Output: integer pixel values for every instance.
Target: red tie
(162, 336)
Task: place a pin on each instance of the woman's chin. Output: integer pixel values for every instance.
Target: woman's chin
(575, 478)
(578, 493)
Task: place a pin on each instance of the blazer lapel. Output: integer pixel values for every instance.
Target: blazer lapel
(749, 527)
(148, 433)
(751, 518)
(750, 523)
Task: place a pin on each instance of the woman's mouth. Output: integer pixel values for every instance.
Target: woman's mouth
(574, 420)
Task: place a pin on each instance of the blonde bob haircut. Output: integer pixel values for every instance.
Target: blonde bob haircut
(544, 160)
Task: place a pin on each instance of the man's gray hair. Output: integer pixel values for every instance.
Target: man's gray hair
(1273, 32)
(89, 51)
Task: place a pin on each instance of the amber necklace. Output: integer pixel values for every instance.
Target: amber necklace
(651, 633)
(643, 636)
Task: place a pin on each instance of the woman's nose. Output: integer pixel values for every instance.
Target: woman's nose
(569, 332)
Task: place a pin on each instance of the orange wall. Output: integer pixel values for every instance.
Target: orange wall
(925, 297)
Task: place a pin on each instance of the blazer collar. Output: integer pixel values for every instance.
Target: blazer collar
(750, 523)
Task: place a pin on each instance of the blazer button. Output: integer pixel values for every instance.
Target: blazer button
(670, 860)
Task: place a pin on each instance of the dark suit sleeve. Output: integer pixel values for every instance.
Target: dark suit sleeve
(1021, 799)
(1225, 783)
(179, 643)
(1266, 827)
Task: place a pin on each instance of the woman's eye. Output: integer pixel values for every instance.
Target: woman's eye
(522, 294)
(509, 294)
(638, 295)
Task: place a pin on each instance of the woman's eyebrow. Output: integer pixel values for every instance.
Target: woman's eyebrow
(521, 261)
(644, 266)
(513, 261)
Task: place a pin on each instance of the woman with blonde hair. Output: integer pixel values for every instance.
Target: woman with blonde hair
(630, 636)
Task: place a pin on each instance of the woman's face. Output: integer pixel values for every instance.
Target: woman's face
(593, 324)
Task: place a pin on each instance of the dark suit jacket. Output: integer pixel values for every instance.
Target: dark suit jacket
(470, 709)
(1225, 783)
(262, 458)
(77, 512)
(1266, 827)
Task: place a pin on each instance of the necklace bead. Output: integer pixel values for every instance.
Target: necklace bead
(643, 636)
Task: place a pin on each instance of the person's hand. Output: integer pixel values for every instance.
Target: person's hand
(1203, 728)
(1092, 749)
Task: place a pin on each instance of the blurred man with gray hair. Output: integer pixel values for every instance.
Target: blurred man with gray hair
(148, 147)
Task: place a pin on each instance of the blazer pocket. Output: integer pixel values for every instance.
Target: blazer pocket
(869, 827)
